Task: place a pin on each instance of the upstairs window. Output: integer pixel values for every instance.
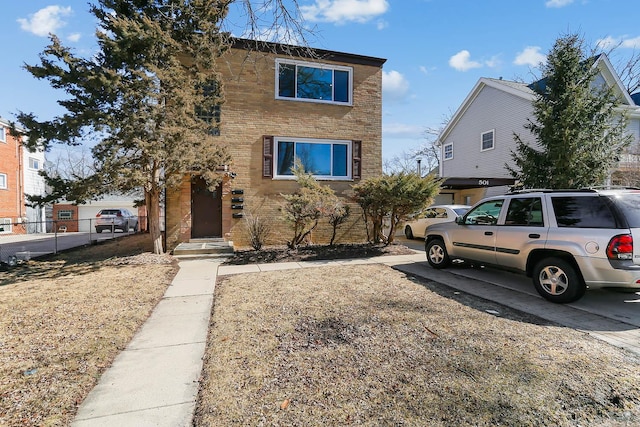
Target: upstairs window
(3, 181)
(313, 82)
(3, 134)
(487, 140)
(448, 151)
(34, 163)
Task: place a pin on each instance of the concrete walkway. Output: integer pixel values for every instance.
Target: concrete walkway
(154, 381)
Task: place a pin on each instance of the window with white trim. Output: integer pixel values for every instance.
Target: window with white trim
(5, 225)
(325, 159)
(34, 163)
(3, 134)
(487, 140)
(306, 81)
(65, 214)
(3, 181)
(448, 151)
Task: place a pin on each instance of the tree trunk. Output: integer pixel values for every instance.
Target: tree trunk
(154, 220)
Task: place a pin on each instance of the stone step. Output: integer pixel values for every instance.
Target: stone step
(204, 247)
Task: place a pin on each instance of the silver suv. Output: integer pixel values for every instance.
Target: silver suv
(565, 240)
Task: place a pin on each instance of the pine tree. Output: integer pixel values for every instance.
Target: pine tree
(579, 135)
(147, 99)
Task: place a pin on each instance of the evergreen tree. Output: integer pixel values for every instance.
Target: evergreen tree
(579, 134)
(394, 198)
(147, 99)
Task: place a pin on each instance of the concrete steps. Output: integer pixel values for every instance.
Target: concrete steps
(204, 248)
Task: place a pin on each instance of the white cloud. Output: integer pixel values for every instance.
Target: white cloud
(45, 21)
(558, 3)
(394, 86)
(340, 11)
(402, 131)
(623, 42)
(74, 37)
(461, 61)
(426, 70)
(530, 56)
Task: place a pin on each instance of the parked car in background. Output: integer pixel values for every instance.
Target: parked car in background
(433, 215)
(565, 240)
(116, 219)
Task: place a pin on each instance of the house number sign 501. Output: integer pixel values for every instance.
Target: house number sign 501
(483, 182)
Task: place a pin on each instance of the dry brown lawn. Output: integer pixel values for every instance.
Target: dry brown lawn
(357, 345)
(64, 320)
(367, 345)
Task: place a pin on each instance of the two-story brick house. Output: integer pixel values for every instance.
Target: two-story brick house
(284, 102)
(478, 141)
(19, 176)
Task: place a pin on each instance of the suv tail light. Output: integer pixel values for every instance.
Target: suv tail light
(620, 247)
(98, 215)
(119, 213)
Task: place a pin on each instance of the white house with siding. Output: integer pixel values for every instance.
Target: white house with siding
(478, 141)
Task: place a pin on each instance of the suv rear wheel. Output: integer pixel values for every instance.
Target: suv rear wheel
(437, 254)
(558, 281)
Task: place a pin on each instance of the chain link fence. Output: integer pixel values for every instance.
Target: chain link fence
(22, 241)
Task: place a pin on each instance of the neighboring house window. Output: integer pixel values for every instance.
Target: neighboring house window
(313, 82)
(448, 151)
(325, 159)
(34, 163)
(3, 134)
(487, 140)
(5, 225)
(3, 181)
(65, 214)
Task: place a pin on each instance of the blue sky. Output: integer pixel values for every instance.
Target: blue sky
(436, 50)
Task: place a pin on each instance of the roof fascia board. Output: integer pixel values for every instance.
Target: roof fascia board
(305, 52)
(609, 74)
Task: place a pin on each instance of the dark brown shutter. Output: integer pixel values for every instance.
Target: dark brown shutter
(357, 160)
(267, 162)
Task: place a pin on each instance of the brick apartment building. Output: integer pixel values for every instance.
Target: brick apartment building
(19, 176)
(281, 103)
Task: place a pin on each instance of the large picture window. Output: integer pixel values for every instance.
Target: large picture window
(313, 82)
(327, 159)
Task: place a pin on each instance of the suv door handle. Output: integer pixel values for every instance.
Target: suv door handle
(488, 233)
(534, 236)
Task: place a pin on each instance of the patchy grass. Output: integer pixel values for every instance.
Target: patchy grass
(64, 319)
(367, 345)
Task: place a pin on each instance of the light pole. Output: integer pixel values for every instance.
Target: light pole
(419, 168)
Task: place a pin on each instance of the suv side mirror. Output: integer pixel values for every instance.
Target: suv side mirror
(460, 220)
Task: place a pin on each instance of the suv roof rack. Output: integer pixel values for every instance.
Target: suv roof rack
(550, 190)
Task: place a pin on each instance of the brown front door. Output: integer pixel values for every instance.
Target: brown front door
(206, 210)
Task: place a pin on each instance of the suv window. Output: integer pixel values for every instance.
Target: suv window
(525, 211)
(629, 204)
(486, 213)
(583, 212)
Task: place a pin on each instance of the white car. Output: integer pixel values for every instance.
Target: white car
(433, 215)
(116, 219)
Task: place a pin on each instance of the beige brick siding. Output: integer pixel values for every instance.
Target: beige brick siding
(251, 111)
